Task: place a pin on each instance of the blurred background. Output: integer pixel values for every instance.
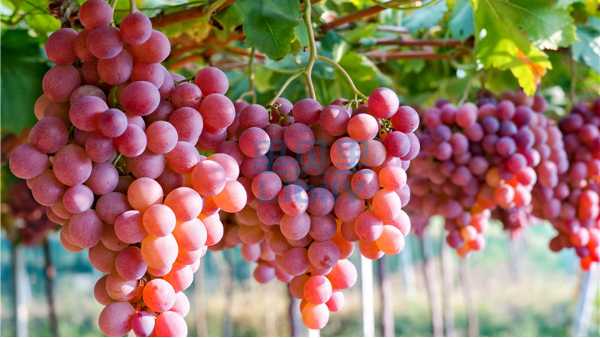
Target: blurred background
(515, 287)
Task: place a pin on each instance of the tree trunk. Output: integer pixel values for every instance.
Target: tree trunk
(200, 300)
(366, 270)
(227, 324)
(408, 268)
(465, 278)
(385, 288)
(21, 290)
(585, 302)
(50, 275)
(447, 287)
(437, 321)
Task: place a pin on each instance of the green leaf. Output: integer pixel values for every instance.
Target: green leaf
(23, 70)
(43, 24)
(426, 17)
(269, 25)
(229, 18)
(358, 33)
(502, 44)
(360, 3)
(461, 20)
(302, 35)
(196, 30)
(364, 72)
(587, 50)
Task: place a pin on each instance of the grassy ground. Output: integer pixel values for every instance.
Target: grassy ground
(531, 294)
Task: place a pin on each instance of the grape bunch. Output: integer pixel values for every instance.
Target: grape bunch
(475, 158)
(568, 187)
(20, 204)
(317, 179)
(113, 158)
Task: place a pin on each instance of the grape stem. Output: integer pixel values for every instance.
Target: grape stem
(132, 7)
(289, 80)
(213, 7)
(313, 49)
(250, 73)
(466, 93)
(177, 83)
(117, 158)
(337, 65)
(113, 4)
(395, 5)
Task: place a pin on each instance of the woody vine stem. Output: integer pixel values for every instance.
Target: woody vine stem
(311, 61)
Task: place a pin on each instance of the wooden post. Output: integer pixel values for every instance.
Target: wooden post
(230, 279)
(385, 288)
(408, 268)
(465, 278)
(437, 321)
(447, 287)
(21, 290)
(270, 326)
(585, 302)
(199, 299)
(366, 270)
(50, 274)
(294, 315)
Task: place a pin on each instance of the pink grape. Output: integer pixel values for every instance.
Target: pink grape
(162, 113)
(143, 193)
(406, 120)
(307, 111)
(322, 228)
(99, 147)
(159, 252)
(299, 138)
(232, 149)
(315, 161)
(49, 135)
(217, 112)
(348, 206)
(130, 264)
(71, 165)
(208, 141)
(46, 188)
(317, 290)
(170, 324)
(155, 50)
(185, 203)
(180, 277)
(129, 227)
(334, 120)
(112, 123)
(115, 318)
(363, 127)
(103, 179)
(383, 103)
(397, 144)
(183, 158)
(78, 199)
(186, 95)
(116, 70)
(188, 124)
(254, 116)
(159, 295)
(266, 185)
(293, 200)
(315, 316)
(372, 153)
(59, 46)
(295, 227)
(370, 250)
(85, 229)
(368, 226)
(168, 85)
(140, 98)
(143, 322)
(345, 153)
(343, 275)
(111, 205)
(80, 46)
(60, 82)
(295, 261)
(190, 235)
(415, 147)
(386, 204)
(132, 142)
(264, 273)
(89, 72)
(254, 142)
(162, 137)
(391, 241)
(365, 183)
(211, 80)
(94, 14)
(105, 42)
(27, 161)
(149, 72)
(208, 178)
(320, 201)
(85, 112)
(136, 28)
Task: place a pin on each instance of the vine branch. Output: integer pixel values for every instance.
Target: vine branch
(195, 12)
(336, 65)
(313, 49)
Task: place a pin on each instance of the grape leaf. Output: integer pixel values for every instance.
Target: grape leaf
(229, 18)
(502, 44)
(587, 50)
(302, 35)
(426, 17)
(269, 25)
(22, 72)
(461, 20)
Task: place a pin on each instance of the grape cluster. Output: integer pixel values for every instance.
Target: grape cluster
(569, 176)
(20, 204)
(116, 134)
(317, 179)
(115, 158)
(475, 158)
